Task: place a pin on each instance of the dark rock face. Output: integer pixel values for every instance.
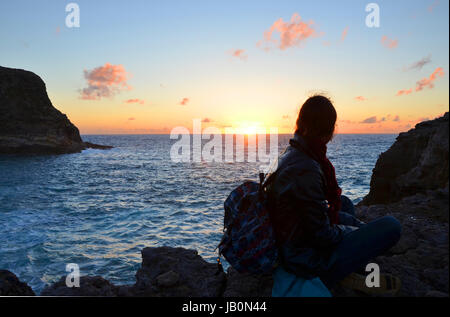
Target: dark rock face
(416, 162)
(11, 286)
(29, 124)
(89, 286)
(247, 285)
(177, 272)
(420, 259)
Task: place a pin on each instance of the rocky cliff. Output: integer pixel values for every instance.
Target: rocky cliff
(415, 163)
(29, 124)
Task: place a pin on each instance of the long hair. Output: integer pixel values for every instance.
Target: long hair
(317, 118)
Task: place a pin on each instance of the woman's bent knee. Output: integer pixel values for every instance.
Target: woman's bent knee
(392, 228)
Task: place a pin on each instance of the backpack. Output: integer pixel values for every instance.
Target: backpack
(248, 242)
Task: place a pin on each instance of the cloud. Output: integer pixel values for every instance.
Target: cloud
(207, 120)
(285, 117)
(396, 119)
(344, 34)
(429, 82)
(388, 43)
(291, 33)
(370, 120)
(239, 53)
(104, 81)
(139, 101)
(184, 101)
(432, 6)
(404, 92)
(131, 119)
(360, 98)
(419, 64)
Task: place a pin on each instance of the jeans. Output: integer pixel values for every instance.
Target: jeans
(361, 243)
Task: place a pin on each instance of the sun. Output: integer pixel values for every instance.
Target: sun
(249, 128)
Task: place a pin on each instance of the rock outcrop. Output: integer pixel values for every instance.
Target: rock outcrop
(29, 124)
(420, 259)
(177, 272)
(415, 163)
(11, 286)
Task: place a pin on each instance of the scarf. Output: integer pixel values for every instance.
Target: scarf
(333, 192)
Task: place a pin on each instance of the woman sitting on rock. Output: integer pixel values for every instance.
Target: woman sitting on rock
(315, 226)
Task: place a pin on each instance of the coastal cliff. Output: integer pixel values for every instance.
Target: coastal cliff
(29, 124)
(416, 192)
(415, 163)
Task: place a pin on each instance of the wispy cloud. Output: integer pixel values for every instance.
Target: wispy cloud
(370, 120)
(344, 34)
(360, 98)
(374, 119)
(139, 101)
(291, 33)
(184, 101)
(239, 53)
(427, 82)
(131, 119)
(404, 92)
(433, 5)
(389, 43)
(104, 81)
(419, 64)
(207, 120)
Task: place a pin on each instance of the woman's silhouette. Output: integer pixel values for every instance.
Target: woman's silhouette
(315, 226)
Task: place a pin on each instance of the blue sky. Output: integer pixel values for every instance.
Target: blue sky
(182, 49)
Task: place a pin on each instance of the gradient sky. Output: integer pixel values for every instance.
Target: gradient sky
(160, 64)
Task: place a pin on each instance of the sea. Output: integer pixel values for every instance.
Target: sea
(100, 208)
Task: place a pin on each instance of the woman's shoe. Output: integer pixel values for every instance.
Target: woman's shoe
(389, 284)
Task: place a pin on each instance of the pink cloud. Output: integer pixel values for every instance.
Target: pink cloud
(104, 81)
(131, 119)
(396, 119)
(429, 82)
(291, 33)
(139, 101)
(404, 92)
(239, 53)
(432, 6)
(389, 43)
(360, 98)
(344, 34)
(184, 101)
(207, 120)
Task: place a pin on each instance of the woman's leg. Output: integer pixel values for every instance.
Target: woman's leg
(347, 213)
(360, 246)
(347, 205)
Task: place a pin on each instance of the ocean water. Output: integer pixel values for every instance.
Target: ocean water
(100, 208)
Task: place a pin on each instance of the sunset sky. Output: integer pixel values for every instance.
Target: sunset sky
(148, 66)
